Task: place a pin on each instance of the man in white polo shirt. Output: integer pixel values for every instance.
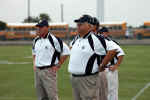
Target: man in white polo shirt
(112, 71)
(103, 86)
(87, 52)
(49, 53)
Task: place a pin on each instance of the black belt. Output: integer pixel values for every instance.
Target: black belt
(83, 75)
(44, 67)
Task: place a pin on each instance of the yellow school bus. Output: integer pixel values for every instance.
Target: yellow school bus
(28, 30)
(116, 29)
(143, 31)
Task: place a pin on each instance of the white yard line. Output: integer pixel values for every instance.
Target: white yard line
(141, 91)
(8, 62)
(16, 98)
(28, 57)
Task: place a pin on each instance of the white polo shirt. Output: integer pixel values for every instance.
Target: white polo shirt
(81, 52)
(43, 50)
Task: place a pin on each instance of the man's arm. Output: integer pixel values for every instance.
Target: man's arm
(65, 53)
(120, 59)
(61, 61)
(63, 57)
(34, 68)
(34, 52)
(120, 56)
(111, 48)
(109, 56)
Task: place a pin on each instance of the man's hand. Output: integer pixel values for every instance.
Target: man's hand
(102, 68)
(55, 68)
(113, 68)
(34, 68)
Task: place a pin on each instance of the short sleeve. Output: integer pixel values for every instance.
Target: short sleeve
(33, 52)
(33, 46)
(66, 50)
(33, 49)
(120, 52)
(110, 45)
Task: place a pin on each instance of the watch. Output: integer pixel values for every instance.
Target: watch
(101, 65)
(58, 65)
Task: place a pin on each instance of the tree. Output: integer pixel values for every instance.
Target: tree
(31, 20)
(130, 27)
(42, 16)
(142, 26)
(3, 25)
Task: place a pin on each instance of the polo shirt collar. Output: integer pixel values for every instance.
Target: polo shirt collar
(87, 35)
(46, 36)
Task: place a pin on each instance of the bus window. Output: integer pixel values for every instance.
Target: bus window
(120, 27)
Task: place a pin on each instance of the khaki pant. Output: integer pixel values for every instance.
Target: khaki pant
(85, 88)
(103, 86)
(113, 84)
(46, 84)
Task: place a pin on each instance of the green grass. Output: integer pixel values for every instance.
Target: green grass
(17, 80)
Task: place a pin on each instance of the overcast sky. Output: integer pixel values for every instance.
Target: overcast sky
(134, 12)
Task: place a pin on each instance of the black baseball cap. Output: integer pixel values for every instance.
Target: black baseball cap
(42, 23)
(103, 29)
(84, 18)
(95, 21)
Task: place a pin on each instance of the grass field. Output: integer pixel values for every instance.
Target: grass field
(17, 77)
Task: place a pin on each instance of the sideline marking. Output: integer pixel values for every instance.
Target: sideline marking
(141, 91)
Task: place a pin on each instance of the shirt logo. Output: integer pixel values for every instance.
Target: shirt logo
(83, 47)
(46, 47)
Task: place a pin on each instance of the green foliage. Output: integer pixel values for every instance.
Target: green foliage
(3, 25)
(42, 16)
